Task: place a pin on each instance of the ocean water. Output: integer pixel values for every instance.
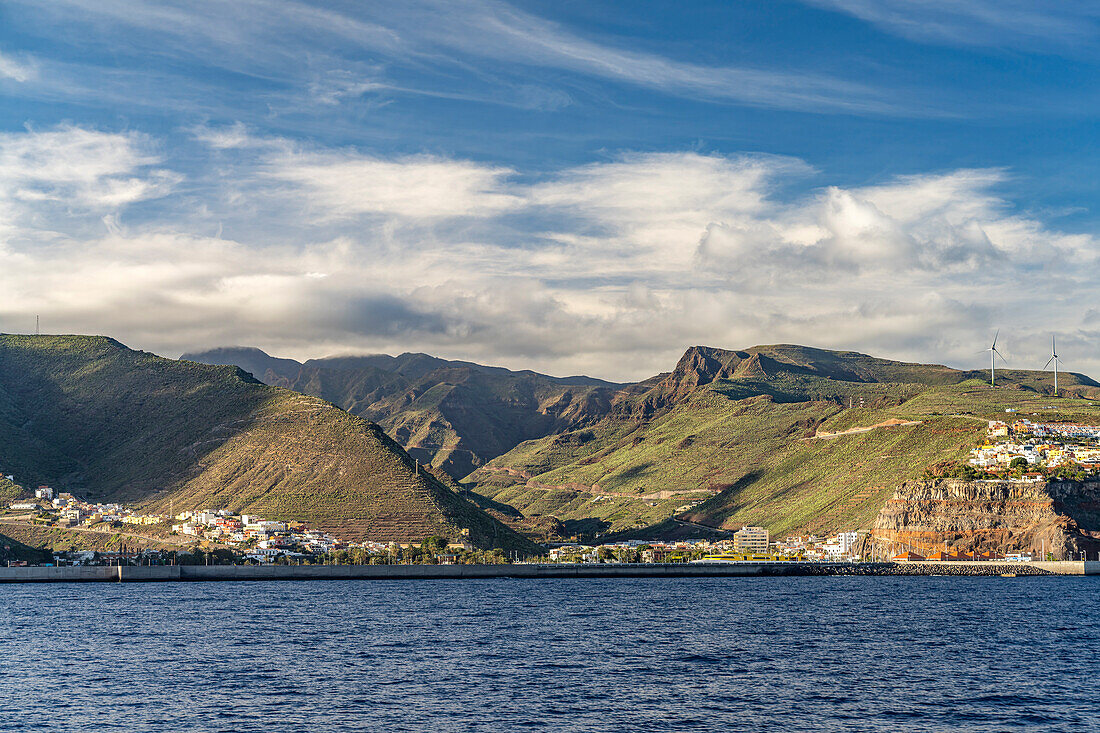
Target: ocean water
(774, 654)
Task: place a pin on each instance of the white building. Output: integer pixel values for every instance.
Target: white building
(847, 542)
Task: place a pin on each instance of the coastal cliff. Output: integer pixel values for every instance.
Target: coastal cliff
(991, 516)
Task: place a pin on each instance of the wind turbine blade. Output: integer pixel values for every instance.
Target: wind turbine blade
(1048, 363)
(995, 335)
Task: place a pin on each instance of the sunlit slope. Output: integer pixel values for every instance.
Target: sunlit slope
(8, 489)
(751, 443)
(88, 414)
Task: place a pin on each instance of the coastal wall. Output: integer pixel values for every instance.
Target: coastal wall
(168, 573)
(1062, 517)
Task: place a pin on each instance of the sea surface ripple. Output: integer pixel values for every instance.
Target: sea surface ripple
(692, 654)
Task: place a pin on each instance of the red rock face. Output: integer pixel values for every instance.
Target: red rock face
(990, 516)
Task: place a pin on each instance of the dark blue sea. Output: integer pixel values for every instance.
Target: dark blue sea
(768, 654)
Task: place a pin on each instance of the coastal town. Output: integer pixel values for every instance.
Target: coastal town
(246, 537)
(1019, 450)
(1036, 449)
(250, 538)
(226, 536)
(748, 544)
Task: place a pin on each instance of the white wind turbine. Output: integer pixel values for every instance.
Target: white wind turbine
(1053, 358)
(993, 354)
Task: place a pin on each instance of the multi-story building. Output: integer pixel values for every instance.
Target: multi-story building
(750, 539)
(848, 542)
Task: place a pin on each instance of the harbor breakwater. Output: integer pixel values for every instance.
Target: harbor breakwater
(168, 573)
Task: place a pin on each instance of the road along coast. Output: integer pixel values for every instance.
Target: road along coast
(167, 573)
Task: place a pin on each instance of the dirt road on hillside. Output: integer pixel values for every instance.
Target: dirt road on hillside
(891, 423)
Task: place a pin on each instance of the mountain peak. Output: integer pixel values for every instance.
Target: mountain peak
(257, 362)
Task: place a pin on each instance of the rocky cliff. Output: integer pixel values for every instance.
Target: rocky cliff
(999, 516)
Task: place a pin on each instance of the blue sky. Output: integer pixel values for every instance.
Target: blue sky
(566, 186)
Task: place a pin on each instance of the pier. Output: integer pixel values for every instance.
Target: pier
(169, 573)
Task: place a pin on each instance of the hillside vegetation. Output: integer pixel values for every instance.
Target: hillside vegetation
(739, 432)
(452, 415)
(779, 435)
(87, 414)
(9, 490)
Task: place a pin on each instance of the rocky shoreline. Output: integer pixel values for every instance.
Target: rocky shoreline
(941, 568)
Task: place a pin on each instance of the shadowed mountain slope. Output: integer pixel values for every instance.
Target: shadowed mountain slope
(90, 415)
(453, 415)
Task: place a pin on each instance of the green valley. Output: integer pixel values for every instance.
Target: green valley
(453, 415)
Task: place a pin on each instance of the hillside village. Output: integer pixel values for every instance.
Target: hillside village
(1021, 450)
(251, 537)
(1032, 447)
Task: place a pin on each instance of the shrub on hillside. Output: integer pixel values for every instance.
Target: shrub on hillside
(955, 470)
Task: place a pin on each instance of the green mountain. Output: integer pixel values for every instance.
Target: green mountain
(109, 423)
(453, 415)
(728, 437)
(792, 438)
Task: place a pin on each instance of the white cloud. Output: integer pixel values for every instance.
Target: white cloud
(20, 71)
(225, 137)
(499, 31)
(1067, 26)
(80, 168)
(319, 51)
(610, 268)
(422, 186)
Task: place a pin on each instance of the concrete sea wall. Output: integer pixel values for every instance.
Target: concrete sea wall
(164, 573)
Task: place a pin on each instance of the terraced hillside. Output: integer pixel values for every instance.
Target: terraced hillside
(452, 415)
(790, 438)
(87, 414)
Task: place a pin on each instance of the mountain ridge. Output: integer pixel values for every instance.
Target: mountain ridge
(698, 441)
(111, 423)
(453, 415)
